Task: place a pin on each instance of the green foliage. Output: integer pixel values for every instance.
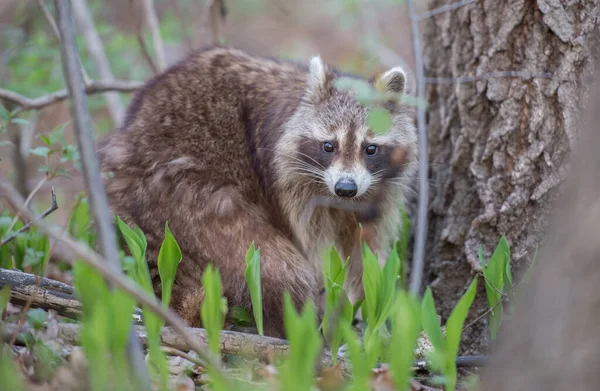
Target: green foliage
(379, 120)
(4, 298)
(338, 309)
(361, 370)
(169, 257)
(11, 377)
(111, 312)
(298, 371)
(497, 274)
(80, 224)
(380, 287)
(214, 308)
(252, 275)
(406, 326)
(446, 349)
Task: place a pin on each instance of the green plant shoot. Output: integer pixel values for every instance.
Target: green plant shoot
(406, 326)
(252, 275)
(298, 370)
(338, 309)
(214, 308)
(446, 349)
(496, 273)
(169, 257)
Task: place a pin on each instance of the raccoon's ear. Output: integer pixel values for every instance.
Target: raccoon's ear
(318, 80)
(394, 80)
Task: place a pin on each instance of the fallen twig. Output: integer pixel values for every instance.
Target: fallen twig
(26, 227)
(48, 294)
(232, 342)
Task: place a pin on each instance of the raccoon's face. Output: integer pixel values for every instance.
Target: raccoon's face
(329, 142)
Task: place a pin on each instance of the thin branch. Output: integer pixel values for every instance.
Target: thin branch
(421, 233)
(86, 255)
(94, 87)
(96, 50)
(443, 9)
(141, 41)
(26, 227)
(82, 124)
(153, 25)
(176, 352)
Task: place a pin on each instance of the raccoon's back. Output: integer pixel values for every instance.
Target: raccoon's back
(216, 110)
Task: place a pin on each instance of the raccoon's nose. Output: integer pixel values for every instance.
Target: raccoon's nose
(346, 188)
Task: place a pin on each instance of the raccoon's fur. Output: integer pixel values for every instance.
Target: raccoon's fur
(229, 149)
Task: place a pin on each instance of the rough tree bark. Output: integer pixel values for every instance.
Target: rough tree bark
(499, 147)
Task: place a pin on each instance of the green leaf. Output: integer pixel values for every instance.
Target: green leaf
(62, 172)
(169, 257)
(372, 276)
(40, 151)
(4, 114)
(361, 371)
(212, 311)
(46, 139)
(494, 274)
(32, 257)
(337, 308)
(454, 328)
(405, 331)
(379, 120)
(45, 168)
(252, 275)
(430, 323)
(36, 318)
(241, 317)
(365, 93)
(297, 372)
(4, 298)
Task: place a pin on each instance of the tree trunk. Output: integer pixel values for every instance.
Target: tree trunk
(499, 147)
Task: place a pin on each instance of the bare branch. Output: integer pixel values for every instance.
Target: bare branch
(82, 124)
(85, 254)
(153, 25)
(26, 227)
(94, 87)
(421, 232)
(140, 38)
(443, 9)
(232, 342)
(95, 47)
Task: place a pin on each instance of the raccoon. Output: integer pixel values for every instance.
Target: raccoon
(229, 149)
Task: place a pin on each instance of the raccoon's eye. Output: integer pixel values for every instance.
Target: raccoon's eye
(371, 149)
(327, 147)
